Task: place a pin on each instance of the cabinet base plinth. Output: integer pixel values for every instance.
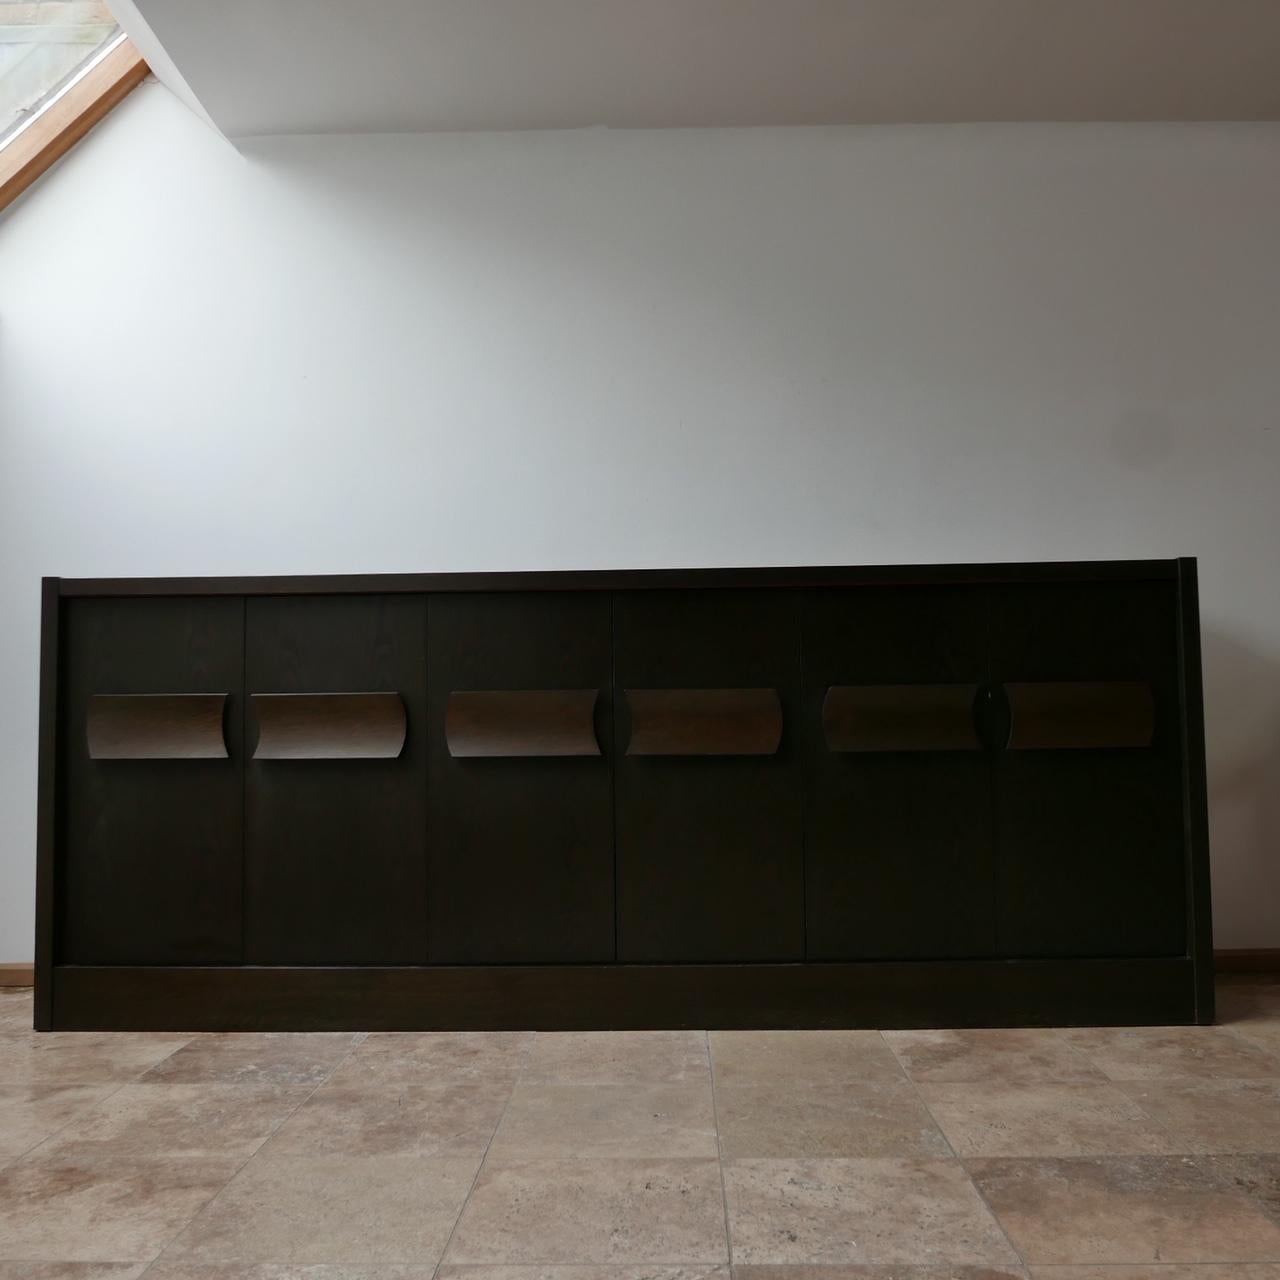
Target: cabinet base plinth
(970, 993)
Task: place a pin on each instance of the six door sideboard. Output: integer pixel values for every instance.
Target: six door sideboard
(891, 796)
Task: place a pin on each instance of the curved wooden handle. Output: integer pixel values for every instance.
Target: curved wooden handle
(156, 726)
(1075, 715)
(521, 722)
(704, 722)
(329, 726)
(900, 717)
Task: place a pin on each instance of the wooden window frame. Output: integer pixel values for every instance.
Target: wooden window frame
(68, 118)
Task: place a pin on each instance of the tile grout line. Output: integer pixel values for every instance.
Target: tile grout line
(124, 1084)
(239, 1169)
(915, 1088)
(466, 1200)
(724, 1182)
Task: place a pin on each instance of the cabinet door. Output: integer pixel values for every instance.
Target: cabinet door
(1089, 830)
(335, 794)
(151, 869)
(521, 792)
(898, 829)
(708, 804)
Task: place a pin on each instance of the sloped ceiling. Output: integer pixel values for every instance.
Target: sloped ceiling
(323, 66)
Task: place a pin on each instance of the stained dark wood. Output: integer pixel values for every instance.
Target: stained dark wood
(900, 717)
(544, 988)
(1195, 800)
(629, 997)
(521, 846)
(50, 877)
(490, 723)
(709, 848)
(784, 577)
(1075, 715)
(335, 850)
(1090, 842)
(328, 726)
(152, 849)
(156, 726)
(704, 722)
(898, 844)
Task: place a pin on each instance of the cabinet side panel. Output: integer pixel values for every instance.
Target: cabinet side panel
(1195, 790)
(48, 826)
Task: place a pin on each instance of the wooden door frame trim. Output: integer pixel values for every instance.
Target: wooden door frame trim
(65, 121)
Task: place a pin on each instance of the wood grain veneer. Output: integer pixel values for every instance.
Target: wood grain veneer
(704, 722)
(900, 717)
(521, 722)
(329, 726)
(156, 726)
(1080, 715)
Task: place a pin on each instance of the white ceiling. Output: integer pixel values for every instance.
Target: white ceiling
(319, 66)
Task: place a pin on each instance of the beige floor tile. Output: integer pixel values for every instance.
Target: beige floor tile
(1247, 1001)
(787, 1057)
(1257, 1176)
(904, 1212)
(31, 1113)
(71, 1270)
(141, 1121)
(1124, 1209)
(795, 1121)
(593, 1211)
(434, 1058)
(17, 1009)
(1252, 1012)
(1264, 1035)
(334, 1209)
(285, 1271)
(636, 1121)
(988, 1056)
(584, 1272)
(1155, 1053)
(1158, 1271)
(71, 1206)
(80, 1057)
(282, 1059)
(618, 1057)
(1213, 1115)
(386, 1119)
(1044, 1120)
(872, 1272)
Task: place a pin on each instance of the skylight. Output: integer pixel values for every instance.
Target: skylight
(44, 46)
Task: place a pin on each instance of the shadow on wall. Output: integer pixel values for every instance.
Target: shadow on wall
(1242, 711)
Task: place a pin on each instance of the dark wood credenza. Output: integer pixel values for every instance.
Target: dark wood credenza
(897, 796)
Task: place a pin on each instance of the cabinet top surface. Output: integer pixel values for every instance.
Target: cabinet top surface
(633, 579)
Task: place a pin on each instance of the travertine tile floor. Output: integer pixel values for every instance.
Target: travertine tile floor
(667, 1155)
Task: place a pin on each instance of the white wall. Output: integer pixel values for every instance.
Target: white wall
(624, 349)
